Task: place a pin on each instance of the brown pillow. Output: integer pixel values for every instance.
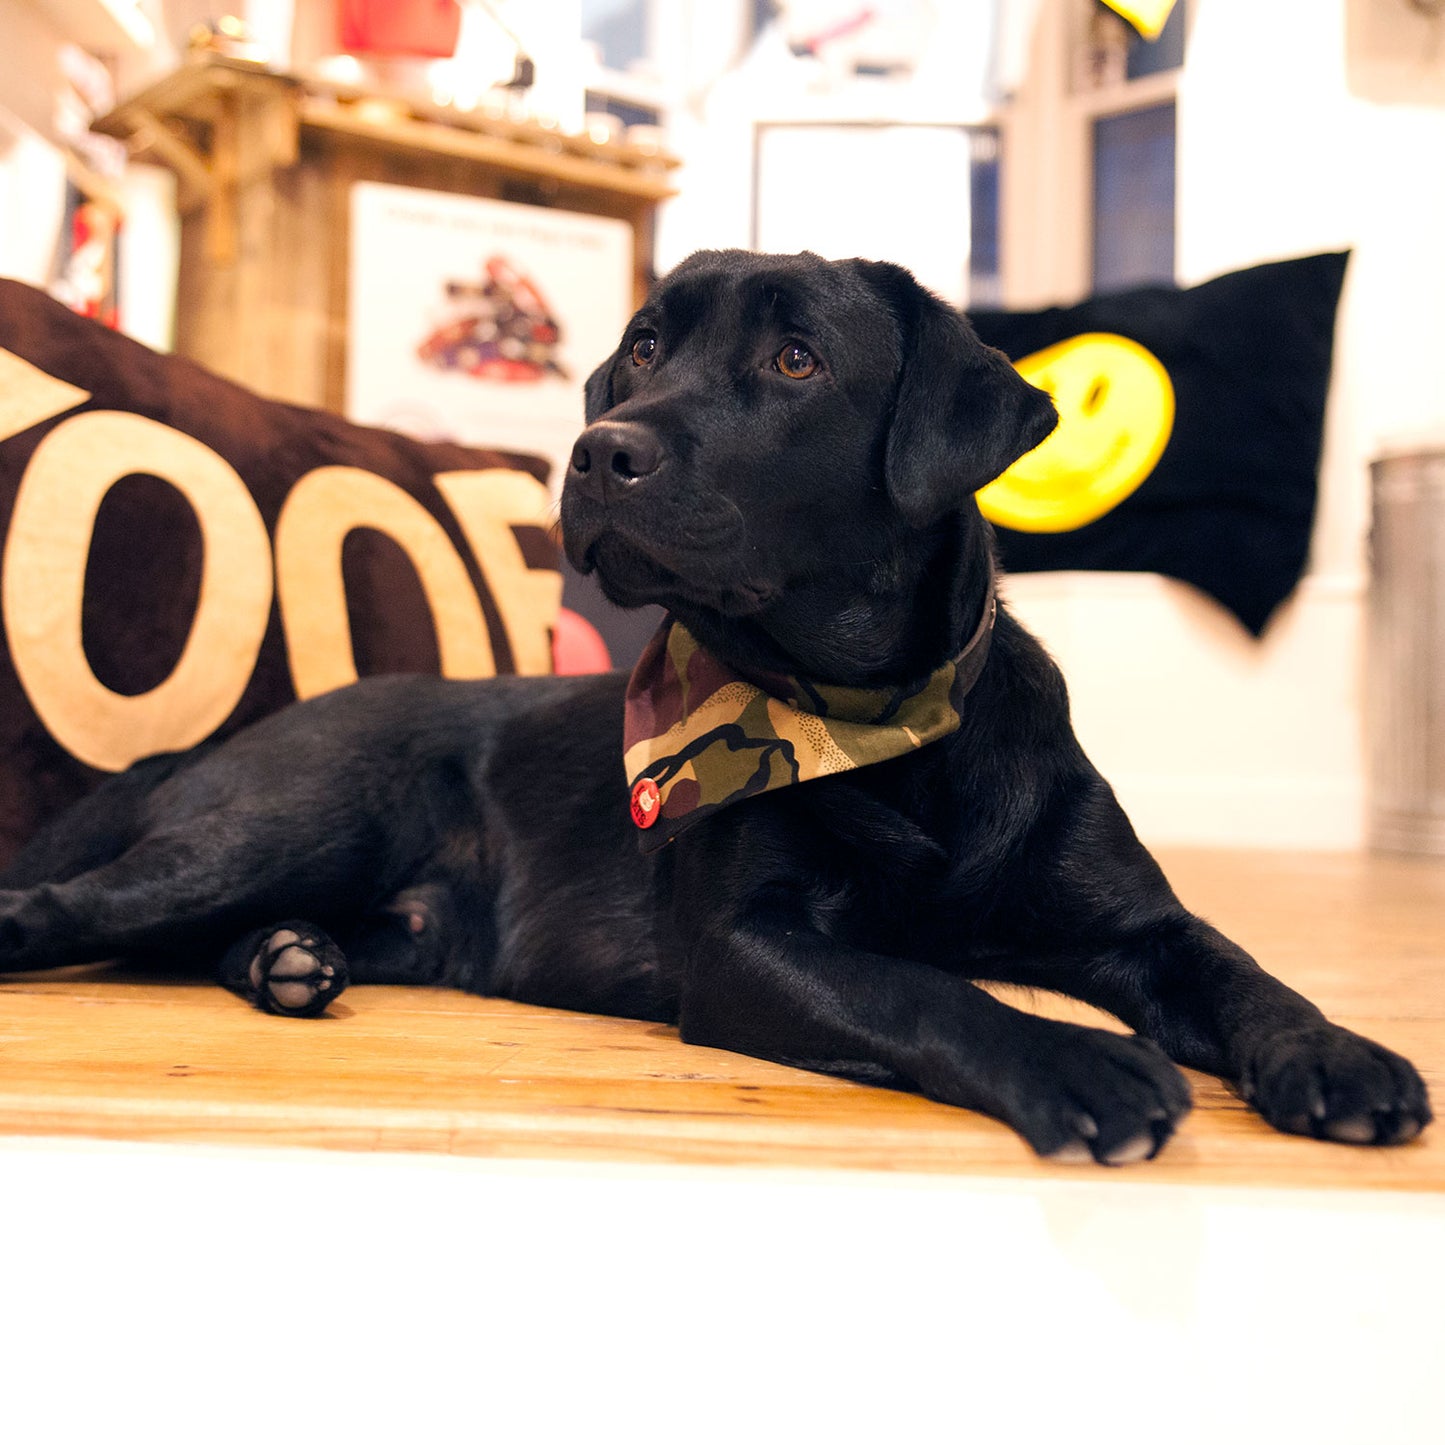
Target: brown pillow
(182, 557)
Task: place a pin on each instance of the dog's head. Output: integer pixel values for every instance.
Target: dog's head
(770, 420)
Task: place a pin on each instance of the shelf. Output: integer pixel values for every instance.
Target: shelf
(542, 160)
(177, 111)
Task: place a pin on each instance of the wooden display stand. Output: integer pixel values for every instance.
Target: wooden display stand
(266, 163)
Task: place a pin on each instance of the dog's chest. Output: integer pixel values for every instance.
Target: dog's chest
(853, 857)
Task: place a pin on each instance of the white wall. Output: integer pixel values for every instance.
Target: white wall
(32, 171)
(32, 201)
(1207, 735)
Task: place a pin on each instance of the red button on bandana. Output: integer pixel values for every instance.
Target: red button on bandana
(646, 800)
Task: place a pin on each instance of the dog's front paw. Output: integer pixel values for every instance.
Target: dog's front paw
(294, 970)
(1112, 1098)
(1330, 1083)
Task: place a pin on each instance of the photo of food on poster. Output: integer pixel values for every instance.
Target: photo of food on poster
(477, 321)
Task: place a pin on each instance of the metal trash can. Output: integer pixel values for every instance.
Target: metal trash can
(1405, 709)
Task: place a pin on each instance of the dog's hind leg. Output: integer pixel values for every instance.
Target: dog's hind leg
(97, 829)
(188, 891)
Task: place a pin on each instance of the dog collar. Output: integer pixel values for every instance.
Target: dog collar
(698, 736)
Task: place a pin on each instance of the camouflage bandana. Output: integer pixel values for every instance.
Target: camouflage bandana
(698, 736)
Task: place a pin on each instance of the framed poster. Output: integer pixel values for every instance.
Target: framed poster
(477, 321)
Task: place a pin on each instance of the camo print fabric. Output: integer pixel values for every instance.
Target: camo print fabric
(707, 737)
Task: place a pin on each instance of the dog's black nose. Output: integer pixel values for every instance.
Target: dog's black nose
(611, 456)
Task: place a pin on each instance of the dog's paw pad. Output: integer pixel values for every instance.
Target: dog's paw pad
(1407, 1128)
(1358, 1130)
(296, 973)
(1131, 1151)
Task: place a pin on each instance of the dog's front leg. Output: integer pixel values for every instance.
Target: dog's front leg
(1210, 1005)
(1109, 930)
(775, 988)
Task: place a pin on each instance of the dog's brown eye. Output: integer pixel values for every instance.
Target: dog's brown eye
(642, 350)
(797, 361)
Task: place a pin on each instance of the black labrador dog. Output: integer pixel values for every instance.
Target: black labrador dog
(859, 769)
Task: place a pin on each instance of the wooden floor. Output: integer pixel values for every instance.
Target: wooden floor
(96, 1052)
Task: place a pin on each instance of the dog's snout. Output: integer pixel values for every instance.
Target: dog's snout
(611, 456)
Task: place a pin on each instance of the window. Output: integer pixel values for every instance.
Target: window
(985, 277)
(1133, 195)
(618, 28)
(1166, 52)
(1089, 143)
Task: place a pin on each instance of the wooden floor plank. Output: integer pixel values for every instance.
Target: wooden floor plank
(98, 1052)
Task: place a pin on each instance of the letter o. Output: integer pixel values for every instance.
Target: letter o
(325, 505)
(487, 505)
(44, 583)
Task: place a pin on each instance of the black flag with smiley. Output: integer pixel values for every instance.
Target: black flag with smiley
(1191, 424)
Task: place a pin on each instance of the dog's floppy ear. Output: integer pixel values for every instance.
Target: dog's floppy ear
(597, 393)
(962, 414)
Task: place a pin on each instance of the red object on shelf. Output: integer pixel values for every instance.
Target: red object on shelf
(400, 27)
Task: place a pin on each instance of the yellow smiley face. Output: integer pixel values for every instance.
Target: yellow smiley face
(1116, 412)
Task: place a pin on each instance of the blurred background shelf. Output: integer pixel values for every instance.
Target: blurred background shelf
(265, 163)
